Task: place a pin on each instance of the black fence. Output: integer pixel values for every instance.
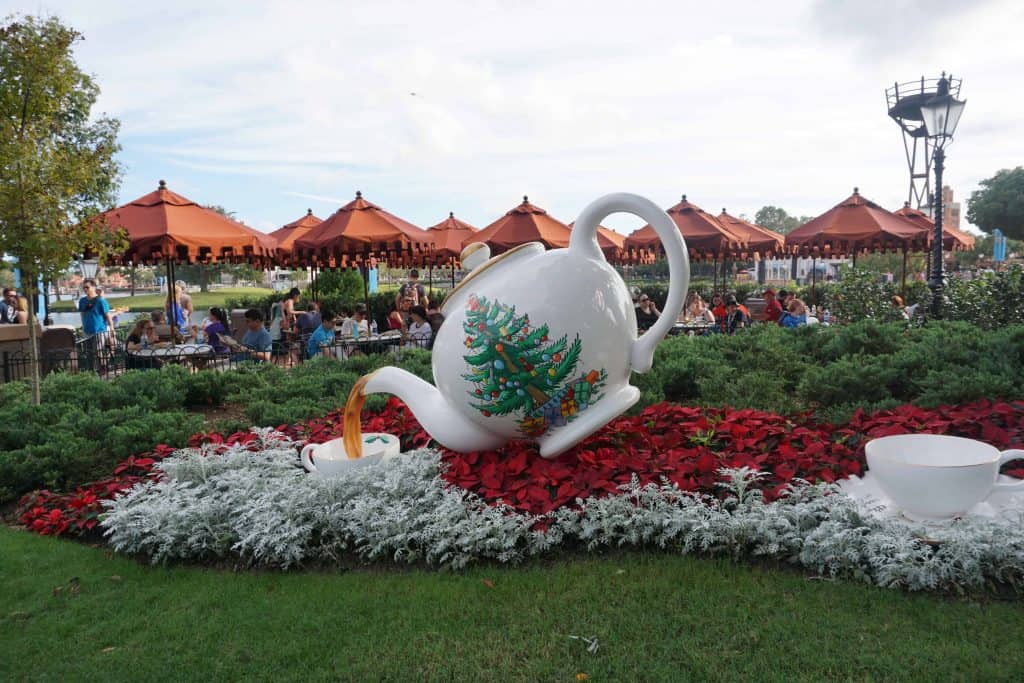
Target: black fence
(111, 359)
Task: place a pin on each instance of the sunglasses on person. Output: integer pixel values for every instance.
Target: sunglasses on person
(643, 299)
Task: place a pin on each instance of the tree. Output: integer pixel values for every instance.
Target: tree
(1000, 203)
(516, 369)
(774, 218)
(57, 166)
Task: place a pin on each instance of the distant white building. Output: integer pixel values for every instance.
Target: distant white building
(779, 270)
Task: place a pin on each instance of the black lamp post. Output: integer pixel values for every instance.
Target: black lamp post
(940, 114)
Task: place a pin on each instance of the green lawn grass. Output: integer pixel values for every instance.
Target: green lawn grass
(656, 617)
(148, 302)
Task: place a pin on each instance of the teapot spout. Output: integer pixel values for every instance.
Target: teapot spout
(443, 422)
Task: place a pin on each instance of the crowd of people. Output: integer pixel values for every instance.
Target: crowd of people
(725, 313)
(318, 330)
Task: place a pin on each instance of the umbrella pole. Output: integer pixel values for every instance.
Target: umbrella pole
(814, 281)
(366, 290)
(453, 271)
(171, 318)
(903, 277)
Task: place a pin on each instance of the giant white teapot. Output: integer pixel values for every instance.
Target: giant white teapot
(536, 344)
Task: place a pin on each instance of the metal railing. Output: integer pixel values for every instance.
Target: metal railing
(108, 361)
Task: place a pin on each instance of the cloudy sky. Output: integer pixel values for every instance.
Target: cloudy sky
(268, 108)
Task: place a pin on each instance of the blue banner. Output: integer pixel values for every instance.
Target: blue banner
(998, 246)
(372, 279)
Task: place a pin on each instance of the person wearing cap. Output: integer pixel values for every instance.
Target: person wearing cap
(735, 318)
(772, 308)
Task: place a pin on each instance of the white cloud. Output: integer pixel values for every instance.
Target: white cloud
(735, 105)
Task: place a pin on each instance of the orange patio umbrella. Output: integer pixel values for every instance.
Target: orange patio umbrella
(165, 226)
(759, 240)
(361, 233)
(611, 243)
(288, 233)
(525, 223)
(447, 238)
(952, 239)
(705, 236)
(855, 225)
(358, 231)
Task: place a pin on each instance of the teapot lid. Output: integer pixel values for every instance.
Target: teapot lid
(528, 249)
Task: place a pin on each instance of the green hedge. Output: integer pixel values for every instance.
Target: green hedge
(835, 370)
(86, 424)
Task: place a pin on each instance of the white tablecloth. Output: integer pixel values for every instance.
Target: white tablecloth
(176, 350)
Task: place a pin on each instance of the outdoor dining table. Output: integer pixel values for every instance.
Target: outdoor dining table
(692, 328)
(374, 343)
(174, 351)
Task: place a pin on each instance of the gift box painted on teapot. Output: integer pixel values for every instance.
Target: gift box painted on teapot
(538, 344)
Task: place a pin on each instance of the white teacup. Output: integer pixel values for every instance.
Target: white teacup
(329, 459)
(929, 476)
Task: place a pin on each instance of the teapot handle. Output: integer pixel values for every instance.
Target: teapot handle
(584, 239)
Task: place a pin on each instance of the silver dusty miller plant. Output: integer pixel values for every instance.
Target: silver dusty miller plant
(260, 508)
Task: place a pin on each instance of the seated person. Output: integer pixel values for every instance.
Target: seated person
(257, 339)
(646, 313)
(897, 303)
(307, 321)
(323, 337)
(795, 315)
(356, 326)
(772, 308)
(735, 318)
(420, 332)
(214, 328)
(143, 336)
(435, 320)
(697, 311)
(718, 307)
(396, 318)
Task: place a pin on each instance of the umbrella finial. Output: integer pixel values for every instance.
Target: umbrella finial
(723, 210)
(451, 214)
(163, 185)
(906, 205)
(526, 200)
(359, 194)
(309, 212)
(684, 198)
(856, 190)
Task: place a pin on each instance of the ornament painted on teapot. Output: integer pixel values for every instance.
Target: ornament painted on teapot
(537, 344)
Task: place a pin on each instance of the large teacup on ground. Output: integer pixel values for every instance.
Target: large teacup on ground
(929, 476)
(331, 459)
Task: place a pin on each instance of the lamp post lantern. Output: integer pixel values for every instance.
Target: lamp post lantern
(940, 115)
(89, 267)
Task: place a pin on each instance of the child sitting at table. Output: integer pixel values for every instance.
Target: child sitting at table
(356, 327)
(323, 337)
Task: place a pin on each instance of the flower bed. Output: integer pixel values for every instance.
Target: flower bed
(682, 445)
(248, 503)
